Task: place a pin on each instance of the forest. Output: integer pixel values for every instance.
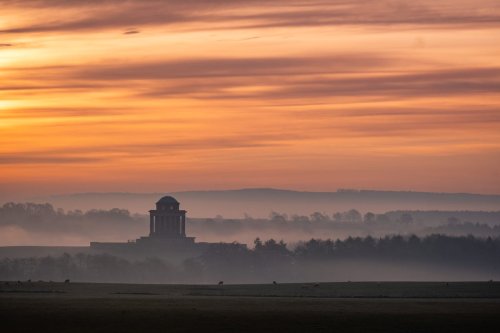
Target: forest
(396, 257)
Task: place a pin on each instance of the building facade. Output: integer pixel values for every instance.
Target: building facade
(167, 220)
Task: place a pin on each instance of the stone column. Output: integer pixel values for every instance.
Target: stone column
(171, 227)
(179, 225)
(183, 225)
(151, 224)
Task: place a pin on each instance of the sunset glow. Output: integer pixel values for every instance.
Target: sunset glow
(311, 95)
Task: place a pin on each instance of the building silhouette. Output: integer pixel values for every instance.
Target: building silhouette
(167, 220)
(167, 235)
(167, 225)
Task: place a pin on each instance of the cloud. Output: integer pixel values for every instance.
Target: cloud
(63, 112)
(232, 67)
(79, 154)
(131, 32)
(5, 44)
(296, 78)
(426, 84)
(37, 158)
(202, 14)
(188, 77)
(365, 76)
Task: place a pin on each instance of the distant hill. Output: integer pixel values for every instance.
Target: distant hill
(260, 202)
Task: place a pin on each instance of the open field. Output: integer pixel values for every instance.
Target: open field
(327, 307)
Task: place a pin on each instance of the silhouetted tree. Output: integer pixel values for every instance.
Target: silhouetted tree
(369, 218)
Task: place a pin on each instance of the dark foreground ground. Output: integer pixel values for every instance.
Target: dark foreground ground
(327, 307)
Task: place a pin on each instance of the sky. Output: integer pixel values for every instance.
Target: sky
(140, 96)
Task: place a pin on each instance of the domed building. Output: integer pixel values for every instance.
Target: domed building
(167, 234)
(167, 220)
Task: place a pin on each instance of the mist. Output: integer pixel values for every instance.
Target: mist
(30, 224)
(41, 242)
(432, 258)
(260, 202)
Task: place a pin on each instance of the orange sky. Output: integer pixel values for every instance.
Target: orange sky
(194, 94)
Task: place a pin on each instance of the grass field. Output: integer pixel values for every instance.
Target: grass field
(326, 307)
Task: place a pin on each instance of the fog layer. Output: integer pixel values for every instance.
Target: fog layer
(260, 202)
(354, 259)
(41, 224)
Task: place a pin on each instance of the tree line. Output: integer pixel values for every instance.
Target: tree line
(270, 260)
(120, 225)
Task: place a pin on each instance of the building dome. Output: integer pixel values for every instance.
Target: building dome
(167, 200)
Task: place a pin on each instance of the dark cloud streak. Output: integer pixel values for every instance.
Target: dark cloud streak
(234, 67)
(460, 81)
(85, 154)
(131, 32)
(45, 159)
(202, 14)
(349, 75)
